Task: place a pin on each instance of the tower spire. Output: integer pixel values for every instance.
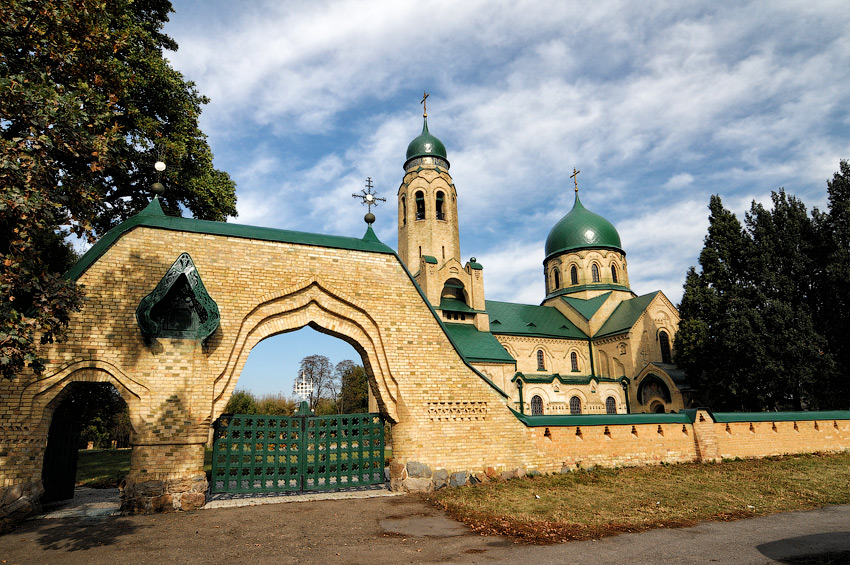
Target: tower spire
(424, 103)
(574, 176)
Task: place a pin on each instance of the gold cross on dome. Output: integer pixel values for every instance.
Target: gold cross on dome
(574, 176)
(425, 96)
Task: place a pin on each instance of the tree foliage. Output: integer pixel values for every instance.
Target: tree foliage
(101, 412)
(320, 370)
(87, 104)
(764, 325)
(354, 387)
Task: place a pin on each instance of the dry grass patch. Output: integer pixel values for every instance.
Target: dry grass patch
(584, 505)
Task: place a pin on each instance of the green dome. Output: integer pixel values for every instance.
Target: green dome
(426, 145)
(581, 229)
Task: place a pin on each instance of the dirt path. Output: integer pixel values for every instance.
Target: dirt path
(403, 529)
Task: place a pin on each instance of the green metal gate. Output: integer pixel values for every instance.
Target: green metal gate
(256, 453)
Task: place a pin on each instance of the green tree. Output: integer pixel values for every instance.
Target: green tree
(87, 104)
(100, 410)
(319, 370)
(750, 336)
(354, 387)
(241, 402)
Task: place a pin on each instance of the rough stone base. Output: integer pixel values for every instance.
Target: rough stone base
(149, 495)
(17, 502)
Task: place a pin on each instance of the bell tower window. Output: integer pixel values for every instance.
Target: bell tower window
(441, 212)
(403, 210)
(420, 205)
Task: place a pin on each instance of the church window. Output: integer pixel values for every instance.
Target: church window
(664, 342)
(574, 362)
(536, 405)
(573, 275)
(575, 405)
(610, 405)
(541, 361)
(403, 210)
(420, 205)
(557, 279)
(444, 253)
(594, 272)
(441, 213)
(614, 273)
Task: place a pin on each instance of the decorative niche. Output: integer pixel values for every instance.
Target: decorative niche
(179, 307)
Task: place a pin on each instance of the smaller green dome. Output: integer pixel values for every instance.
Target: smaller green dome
(426, 145)
(581, 229)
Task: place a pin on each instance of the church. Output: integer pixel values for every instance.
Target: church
(592, 346)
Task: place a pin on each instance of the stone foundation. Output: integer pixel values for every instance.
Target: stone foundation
(144, 494)
(17, 502)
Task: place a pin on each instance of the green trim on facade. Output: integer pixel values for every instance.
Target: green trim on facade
(580, 420)
(587, 307)
(475, 266)
(626, 314)
(508, 318)
(565, 380)
(153, 217)
(590, 286)
(430, 259)
(478, 346)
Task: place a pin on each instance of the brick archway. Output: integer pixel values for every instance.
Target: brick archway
(312, 303)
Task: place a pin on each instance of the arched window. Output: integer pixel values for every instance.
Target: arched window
(614, 273)
(557, 279)
(403, 210)
(420, 205)
(575, 405)
(610, 405)
(536, 405)
(664, 342)
(441, 213)
(594, 272)
(573, 275)
(453, 289)
(574, 362)
(541, 361)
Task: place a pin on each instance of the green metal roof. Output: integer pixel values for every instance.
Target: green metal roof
(478, 346)
(475, 266)
(581, 229)
(587, 308)
(572, 289)
(455, 305)
(426, 145)
(153, 217)
(726, 417)
(625, 315)
(603, 419)
(430, 259)
(526, 319)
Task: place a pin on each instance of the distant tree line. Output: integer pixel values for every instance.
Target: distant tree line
(336, 390)
(765, 322)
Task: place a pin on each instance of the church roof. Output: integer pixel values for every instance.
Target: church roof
(626, 314)
(581, 229)
(476, 346)
(526, 319)
(426, 145)
(587, 307)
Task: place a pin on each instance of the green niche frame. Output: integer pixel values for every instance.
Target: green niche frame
(202, 303)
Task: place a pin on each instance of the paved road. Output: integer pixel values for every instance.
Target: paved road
(403, 529)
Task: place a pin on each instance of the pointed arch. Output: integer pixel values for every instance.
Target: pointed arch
(315, 303)
(440, 205)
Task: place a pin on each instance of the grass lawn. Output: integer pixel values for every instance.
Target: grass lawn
(105, 468)
(587, 505)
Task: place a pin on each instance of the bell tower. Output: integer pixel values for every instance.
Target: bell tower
(427, 203)
(428, 241)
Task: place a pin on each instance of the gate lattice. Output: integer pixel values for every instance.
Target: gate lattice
(256, 453)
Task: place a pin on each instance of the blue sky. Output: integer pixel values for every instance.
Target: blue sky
(658, 104)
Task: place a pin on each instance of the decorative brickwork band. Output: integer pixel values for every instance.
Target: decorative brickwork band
(457, 411)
